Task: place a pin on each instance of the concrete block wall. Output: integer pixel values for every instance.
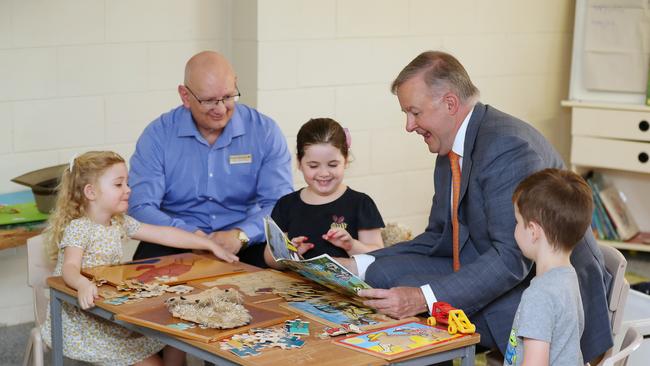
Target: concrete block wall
(77, 75)
(337, 58)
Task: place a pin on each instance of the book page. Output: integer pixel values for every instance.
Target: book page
(323, 269)
(281, 246)
(329, 273)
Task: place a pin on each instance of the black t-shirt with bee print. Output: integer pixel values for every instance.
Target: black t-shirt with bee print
(353, 211)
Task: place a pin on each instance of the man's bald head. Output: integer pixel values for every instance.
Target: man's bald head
(208, 65)
(209, 92)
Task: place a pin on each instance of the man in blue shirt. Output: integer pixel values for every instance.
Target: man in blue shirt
(210, 166)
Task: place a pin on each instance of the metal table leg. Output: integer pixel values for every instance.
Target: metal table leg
(56, 328)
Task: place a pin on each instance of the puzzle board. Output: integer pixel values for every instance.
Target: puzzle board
(399, 340)
(336, 310)
(159, 318)
(177, 268)
(20, 213)
(258, 286)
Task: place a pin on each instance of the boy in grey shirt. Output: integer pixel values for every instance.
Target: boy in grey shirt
(553, 210)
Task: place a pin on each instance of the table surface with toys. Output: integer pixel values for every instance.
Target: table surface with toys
(19, 219)
(238, 314)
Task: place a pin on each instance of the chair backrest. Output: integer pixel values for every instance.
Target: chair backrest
(615, 263)
(631, 342)
(40, 267)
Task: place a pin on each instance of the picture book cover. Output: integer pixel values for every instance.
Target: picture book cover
(323, 269)
(619, 212)
(399, 340)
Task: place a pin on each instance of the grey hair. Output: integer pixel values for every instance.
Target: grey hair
(440, 70)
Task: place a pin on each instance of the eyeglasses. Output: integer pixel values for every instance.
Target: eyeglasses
(228, 100)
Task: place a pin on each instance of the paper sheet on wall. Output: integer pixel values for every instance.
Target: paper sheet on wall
(617, 45)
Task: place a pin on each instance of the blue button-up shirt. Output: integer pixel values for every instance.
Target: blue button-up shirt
(178, 179)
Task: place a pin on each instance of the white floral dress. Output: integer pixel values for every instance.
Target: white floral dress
(87, 337)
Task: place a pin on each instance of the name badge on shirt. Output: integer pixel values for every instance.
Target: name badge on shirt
(241, 159)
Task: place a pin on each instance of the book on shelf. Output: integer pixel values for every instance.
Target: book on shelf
(322, 269)
(640, 238)
(612, 219)
(618, 211)
(600, 219)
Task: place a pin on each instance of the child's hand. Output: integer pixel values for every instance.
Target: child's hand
(86, 295)
(300, 243)
(222, 253)
(340, 238)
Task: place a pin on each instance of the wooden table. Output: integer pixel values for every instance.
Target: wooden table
(316, 351)
(17, 236)
(14, 235)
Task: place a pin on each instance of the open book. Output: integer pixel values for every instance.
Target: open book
(322, 269)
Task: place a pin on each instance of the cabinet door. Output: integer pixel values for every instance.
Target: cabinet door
(612, 154)
(616, 124)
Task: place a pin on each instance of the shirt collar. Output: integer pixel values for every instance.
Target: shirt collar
(459, 141)
(235, 127)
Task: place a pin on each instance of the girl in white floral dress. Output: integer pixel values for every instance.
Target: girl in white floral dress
(88, 228)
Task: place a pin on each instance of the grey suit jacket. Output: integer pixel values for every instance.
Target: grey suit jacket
(500, 151)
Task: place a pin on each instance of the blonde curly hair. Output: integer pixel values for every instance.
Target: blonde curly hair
(71, 202)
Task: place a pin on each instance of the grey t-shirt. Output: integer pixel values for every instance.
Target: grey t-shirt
(551, 311)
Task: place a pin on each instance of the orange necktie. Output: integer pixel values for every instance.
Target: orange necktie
(455, 192)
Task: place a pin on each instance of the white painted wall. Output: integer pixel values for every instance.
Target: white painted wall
(91, 74)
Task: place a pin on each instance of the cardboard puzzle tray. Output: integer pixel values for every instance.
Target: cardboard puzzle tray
(171, 269)
(161, 319)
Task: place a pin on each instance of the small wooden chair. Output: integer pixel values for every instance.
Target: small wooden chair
(39, 269)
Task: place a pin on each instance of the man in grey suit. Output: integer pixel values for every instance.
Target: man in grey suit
(496, 152)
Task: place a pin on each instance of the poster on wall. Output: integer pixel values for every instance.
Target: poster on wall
(611, 51)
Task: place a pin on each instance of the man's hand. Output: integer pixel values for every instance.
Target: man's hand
(228, 240)
(350, 264)
(398, 302)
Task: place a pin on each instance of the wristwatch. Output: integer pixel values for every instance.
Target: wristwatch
(243, 239)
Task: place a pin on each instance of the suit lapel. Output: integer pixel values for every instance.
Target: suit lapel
(470, 137)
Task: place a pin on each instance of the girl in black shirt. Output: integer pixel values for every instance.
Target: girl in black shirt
(326, 216)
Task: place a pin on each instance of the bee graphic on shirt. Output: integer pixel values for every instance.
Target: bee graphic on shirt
(338, 222)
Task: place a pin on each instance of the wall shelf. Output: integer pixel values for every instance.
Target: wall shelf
(614, 139)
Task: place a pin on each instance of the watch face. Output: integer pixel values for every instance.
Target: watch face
(243, 237)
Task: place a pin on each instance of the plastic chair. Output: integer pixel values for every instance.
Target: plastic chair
(631, 342)
(615, 263)
(39, 269)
